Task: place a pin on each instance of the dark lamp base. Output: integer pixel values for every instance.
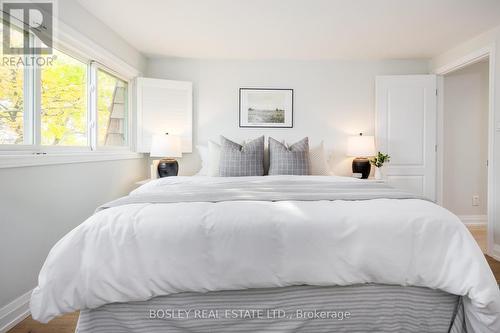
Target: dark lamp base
(361, 165)
(168, 167)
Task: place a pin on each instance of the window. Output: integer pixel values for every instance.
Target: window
(55, 106)
(12, 99)
(11, 105)
(111, 109)
(64, 102)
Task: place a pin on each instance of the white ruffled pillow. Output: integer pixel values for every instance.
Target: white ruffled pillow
(213, 158)
(203, 151)
(210, 157)
(318, 161)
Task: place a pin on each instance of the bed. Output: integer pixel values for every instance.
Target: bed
(394, 261)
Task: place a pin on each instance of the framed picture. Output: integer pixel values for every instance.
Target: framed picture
(260, 107)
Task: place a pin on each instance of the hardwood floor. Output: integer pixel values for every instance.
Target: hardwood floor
(480, 234)
(495, 267)
(67, 323)
(63, 324)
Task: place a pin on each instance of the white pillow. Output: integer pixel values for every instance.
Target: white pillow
(203, 151)
(318, 161)
(213, 159)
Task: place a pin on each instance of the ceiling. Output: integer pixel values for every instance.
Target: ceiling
(296, 29)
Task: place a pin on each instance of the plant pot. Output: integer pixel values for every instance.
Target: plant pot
(379, 173)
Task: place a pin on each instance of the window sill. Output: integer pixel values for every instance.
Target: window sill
(28, 160)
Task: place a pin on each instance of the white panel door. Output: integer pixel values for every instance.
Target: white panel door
(164, 106)
(405, 128)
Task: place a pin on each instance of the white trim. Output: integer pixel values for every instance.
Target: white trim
(471, 58)
(132, 115)
(440, 141)
(474, 220)
(26, 160)
(73, 40)
(29, 105)
(467, 60)
(492, 195)
(15, 312)
(92, 106)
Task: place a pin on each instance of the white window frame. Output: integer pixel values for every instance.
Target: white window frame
(75, 45)
(94, 67)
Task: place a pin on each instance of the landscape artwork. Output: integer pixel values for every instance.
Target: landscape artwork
(266, 107)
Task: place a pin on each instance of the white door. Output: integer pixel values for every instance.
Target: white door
(405, 128)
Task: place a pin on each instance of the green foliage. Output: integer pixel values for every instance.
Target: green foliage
(64, 102)
(11, 105)
(63, 111)
(11, 101)
(380, 159)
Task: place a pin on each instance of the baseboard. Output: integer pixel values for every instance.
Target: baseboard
(474, 220)
(14, 312)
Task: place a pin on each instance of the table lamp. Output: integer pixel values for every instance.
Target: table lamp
(168, 147)
(361, 147)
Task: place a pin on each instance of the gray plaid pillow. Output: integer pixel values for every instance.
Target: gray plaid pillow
(292, 160)
(237, 160)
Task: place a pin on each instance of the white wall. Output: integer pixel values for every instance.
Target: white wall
(332, 99)
(38, 205)
(73, 14)
(466, 139)
(488, 39)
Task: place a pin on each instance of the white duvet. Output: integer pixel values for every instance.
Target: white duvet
(139, 251)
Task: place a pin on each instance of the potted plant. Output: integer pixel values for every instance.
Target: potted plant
(378, 162)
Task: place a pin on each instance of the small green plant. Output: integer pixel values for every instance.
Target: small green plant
(380, 159)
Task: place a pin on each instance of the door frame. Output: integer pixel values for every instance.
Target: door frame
(471, 58)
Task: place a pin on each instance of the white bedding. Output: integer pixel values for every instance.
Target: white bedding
(138, 251)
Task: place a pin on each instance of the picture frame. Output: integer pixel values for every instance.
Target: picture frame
(265, 108)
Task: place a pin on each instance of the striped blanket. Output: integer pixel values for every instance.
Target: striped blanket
(359, 308)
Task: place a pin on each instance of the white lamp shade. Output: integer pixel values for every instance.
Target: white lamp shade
(361, 146)
(165, 145)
